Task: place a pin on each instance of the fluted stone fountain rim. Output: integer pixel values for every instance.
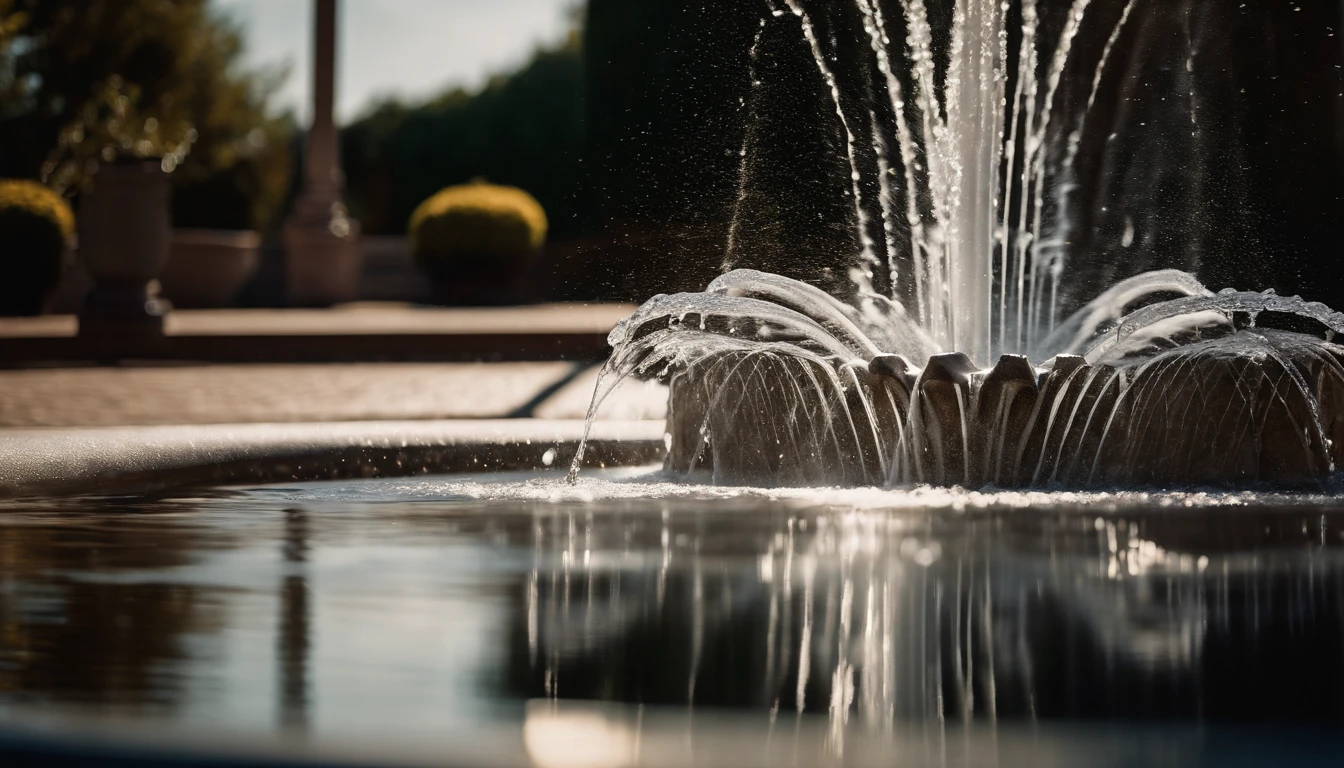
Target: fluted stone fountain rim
(1044, 414)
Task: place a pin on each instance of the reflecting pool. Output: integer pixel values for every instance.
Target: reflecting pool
(515, 620)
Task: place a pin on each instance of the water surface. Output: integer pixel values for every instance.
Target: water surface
(528, 620)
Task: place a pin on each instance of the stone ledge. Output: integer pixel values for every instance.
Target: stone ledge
(125, 459)
(344, 334)
(322, 348)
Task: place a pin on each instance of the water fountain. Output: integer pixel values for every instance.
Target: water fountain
(969, 329)
(948, 358)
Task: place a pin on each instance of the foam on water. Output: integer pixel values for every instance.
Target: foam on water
(655, 484)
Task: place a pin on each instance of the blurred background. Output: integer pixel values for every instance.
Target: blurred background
(625, 122)
(549, 96)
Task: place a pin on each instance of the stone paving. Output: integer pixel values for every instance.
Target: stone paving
(70, 430)
(75, 427)
(235, 394)
(143, 393)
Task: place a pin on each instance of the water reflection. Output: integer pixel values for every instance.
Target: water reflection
(304, 610)
(876, 618)
(293, 639)
(64, 638)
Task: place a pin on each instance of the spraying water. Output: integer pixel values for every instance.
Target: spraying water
(775, 381)
(981, 265)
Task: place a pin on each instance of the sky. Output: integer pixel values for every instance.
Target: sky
(412, 48)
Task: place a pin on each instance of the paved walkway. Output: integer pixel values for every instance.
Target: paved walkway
(71, 426)
(68, 430)
(236, 394)
(278, 388)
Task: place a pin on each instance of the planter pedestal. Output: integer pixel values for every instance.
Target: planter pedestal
(323, 259)
(123, 242)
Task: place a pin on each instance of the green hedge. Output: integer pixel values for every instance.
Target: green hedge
(35, 225)
(476, 222)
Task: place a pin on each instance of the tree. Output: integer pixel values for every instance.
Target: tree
(523, 129)
(87, 81)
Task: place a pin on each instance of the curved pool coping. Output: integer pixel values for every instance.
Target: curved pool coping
(46, 462)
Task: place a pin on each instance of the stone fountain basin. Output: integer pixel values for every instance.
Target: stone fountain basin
(1208, 413)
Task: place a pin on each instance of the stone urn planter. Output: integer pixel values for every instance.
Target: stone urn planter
(207, 268)
(123, 226)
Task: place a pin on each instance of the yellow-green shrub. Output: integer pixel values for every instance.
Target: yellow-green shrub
(477, 222)
(35, 224)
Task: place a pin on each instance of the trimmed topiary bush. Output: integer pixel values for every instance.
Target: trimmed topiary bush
(476, 241)
(35, 225)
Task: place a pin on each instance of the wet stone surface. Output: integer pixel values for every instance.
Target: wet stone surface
(392, 608)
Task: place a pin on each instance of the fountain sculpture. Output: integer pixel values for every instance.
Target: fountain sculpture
(951, 360)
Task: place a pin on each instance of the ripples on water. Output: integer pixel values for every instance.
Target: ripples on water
(628, 615)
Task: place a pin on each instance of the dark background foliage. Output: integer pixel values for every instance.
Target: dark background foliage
(1252, 196)
(175, 61)
(632, 132)
(524, 129)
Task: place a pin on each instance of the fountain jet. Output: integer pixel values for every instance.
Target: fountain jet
(961, 370)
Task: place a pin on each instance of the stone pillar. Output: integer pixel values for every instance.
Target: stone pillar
(124, 231)
(322, 254)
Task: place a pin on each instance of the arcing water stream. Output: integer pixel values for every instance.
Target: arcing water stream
(966, 225)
